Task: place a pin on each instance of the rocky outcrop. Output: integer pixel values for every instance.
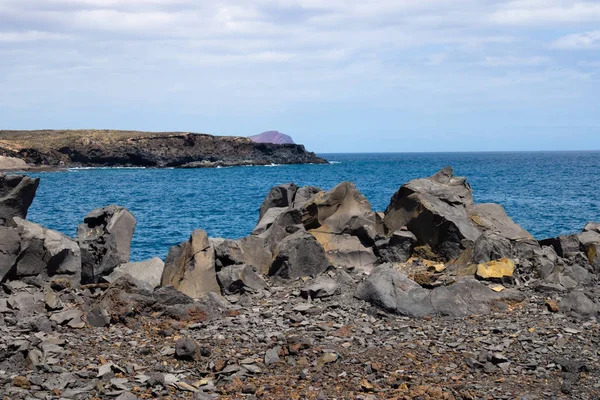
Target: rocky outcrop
(190, 266)
(435, 210)
(147, 149)
(272, 137)
(105, 241)
(16, 195)
(440, 212)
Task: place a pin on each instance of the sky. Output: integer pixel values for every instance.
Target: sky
(336, 75)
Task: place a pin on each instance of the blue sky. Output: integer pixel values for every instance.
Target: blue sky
(339, 76)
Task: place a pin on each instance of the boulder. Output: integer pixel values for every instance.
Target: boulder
(298, 255)
(16, 195)
(322, 286)
(240, 278)
(39, 252)
(190, 266)
(149, 272)
(393, 291)
(580, 304)
(435, 210)
(123, 299)
(105, 240)
(281, 196)
(496, 269)
(440, 212)
(397, 248)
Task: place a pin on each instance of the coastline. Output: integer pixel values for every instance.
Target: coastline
(106, 148)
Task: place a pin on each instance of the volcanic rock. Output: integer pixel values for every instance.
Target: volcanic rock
(105, 240)
(251, 250)
(397, 248)
(281, 196)
(239, 278)
(393, 291)
(497, 269)
(435, 210)
(30, 250)
(323, 286)
(149, 271)
(190, 266)
(299, 255)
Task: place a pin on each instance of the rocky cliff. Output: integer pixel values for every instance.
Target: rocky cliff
(147, 149)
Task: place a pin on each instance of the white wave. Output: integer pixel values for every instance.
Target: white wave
(335, 162)
(74, 169)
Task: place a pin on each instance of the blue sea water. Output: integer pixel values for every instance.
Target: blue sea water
(548, 193)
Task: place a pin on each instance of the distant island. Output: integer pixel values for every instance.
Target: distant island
(274, 137)
(106, 148)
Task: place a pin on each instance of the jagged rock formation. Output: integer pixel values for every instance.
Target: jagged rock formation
(147, 149)
(272, 137)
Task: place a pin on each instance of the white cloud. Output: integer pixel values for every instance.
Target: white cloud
(537, 12)
(514, 61)
(31, 36)
(577, 41)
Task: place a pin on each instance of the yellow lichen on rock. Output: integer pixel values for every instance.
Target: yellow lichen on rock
(496, 269)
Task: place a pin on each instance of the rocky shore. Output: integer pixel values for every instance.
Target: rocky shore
(436, 298)
(109, 148)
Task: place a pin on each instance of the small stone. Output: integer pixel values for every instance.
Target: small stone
(272, 356)
(249, 389)
(22, 382)
(185, 349)
(552, 306)
(98, 317)
(366, 386)
(127, 396)
(52, 301)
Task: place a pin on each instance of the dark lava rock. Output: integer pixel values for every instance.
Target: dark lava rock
(105, 240)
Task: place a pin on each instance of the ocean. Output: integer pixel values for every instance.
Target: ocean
(548, 193)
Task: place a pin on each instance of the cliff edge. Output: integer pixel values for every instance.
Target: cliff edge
(94, 148)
